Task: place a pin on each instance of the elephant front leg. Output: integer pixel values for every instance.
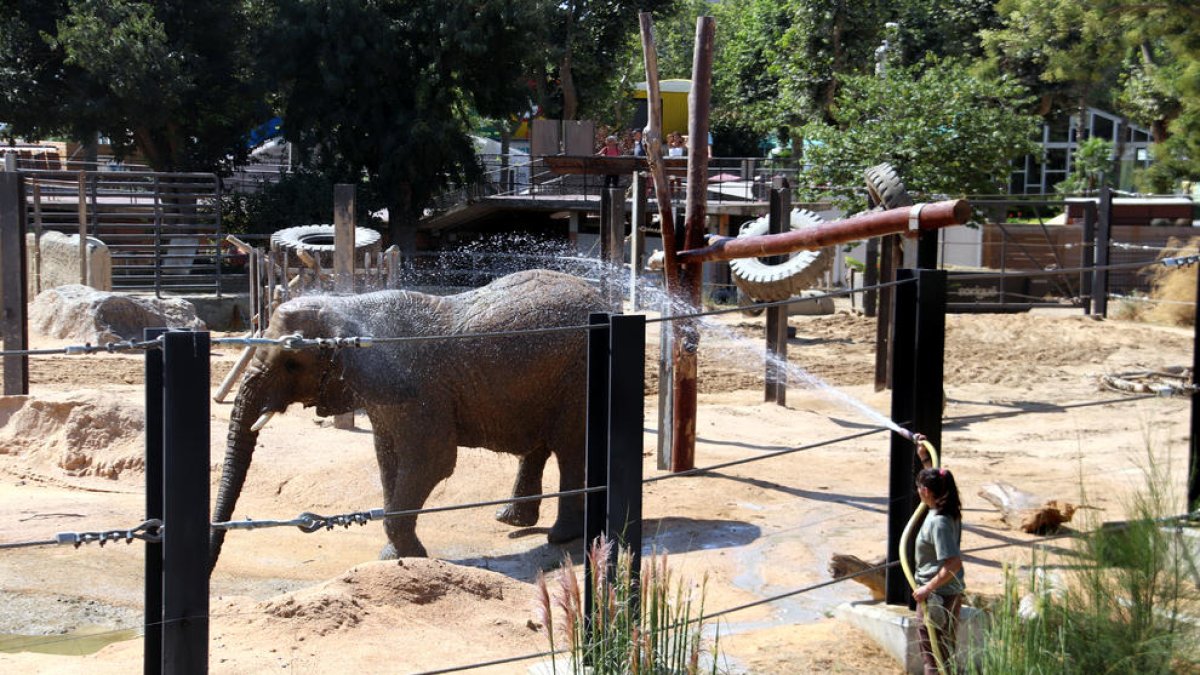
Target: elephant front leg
(529, 482)
(409, 477)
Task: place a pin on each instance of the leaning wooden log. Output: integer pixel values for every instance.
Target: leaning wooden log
(842, 566)
(1027, 512)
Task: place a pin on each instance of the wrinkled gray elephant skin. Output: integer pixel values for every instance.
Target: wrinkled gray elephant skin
(523, 394)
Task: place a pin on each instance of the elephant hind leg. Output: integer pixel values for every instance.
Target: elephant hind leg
(528, 483)
(572, 470)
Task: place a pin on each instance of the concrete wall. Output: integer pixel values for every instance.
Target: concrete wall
(60, 262)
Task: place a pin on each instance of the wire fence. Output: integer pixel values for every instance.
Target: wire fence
(151, 530)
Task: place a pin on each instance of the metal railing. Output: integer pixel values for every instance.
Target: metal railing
(730, 179)
(163, 230)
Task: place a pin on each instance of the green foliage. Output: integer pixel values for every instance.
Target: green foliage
(388, 90)
(1123, 608)
(166, 78)
(650, 624)
(303, 197)
(579, 48)
(1094, 167)
(944, 129)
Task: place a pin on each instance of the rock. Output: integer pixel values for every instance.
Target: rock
(82, 313)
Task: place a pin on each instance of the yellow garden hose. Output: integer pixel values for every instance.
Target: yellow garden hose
(906, 537)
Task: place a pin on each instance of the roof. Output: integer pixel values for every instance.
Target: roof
(668, 86)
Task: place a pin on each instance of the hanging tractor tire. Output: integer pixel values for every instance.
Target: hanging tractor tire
(317, 240)
(767, 283)
(885, 188)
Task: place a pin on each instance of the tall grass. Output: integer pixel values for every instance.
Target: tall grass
(649, 625)
(1127, 603)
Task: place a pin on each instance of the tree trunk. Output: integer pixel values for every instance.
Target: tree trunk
(570, 96)
(402, 222)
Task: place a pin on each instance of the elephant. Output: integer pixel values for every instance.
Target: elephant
(521, 394)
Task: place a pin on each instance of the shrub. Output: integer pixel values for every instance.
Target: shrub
(651, 624)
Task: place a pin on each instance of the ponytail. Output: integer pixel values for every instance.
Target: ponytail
(940, 482)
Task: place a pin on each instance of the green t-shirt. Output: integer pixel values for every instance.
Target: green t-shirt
(940, 538)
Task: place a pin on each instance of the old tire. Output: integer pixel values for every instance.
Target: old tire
(885, 187)
(317, 240)
(768, 283)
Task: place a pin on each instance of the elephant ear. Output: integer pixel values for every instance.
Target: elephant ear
(375, 375)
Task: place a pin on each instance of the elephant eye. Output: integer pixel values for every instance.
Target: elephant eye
(291, 365)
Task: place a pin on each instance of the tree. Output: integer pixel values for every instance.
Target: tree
(579, 54)
(170, 78)
(1094, 167)
(388, 89)
(945, 130)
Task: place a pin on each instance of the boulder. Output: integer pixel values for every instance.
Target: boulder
(82, 313)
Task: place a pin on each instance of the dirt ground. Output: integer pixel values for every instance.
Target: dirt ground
(1024, 406)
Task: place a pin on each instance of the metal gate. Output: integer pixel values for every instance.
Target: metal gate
(163, 230)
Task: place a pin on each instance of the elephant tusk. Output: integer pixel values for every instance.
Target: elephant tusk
(262, 421)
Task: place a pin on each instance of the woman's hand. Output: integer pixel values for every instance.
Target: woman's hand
(922, 592)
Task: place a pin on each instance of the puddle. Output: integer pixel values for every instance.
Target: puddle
(82, 641)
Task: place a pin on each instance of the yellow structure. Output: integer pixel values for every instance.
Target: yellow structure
(674, 104)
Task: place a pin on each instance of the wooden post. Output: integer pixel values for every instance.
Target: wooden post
(343, 260)
(687, 336)
(14, 322)
(653, 138)
(254, 296)
(37, 236)
(393, 266)
(83, 228)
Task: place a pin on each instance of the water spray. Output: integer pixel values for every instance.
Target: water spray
(920, 441)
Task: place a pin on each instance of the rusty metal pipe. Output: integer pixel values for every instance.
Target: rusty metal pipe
(906, 219)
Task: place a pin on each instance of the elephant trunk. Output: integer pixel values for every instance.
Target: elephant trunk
(238, 451)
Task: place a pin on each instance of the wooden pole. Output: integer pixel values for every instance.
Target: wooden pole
(687, 338)
(653, 137)
(14, 323)
(37, 236)
(83, 223)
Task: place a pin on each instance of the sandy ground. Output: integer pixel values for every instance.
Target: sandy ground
(1024, 406)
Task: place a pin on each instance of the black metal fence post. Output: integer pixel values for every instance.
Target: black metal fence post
(871, 277)
(626, 404)
(1103, 236)
(1194, 454)
(594, 513)
(929, 361)
(152, 650)
(185, 502)
(1087, 256)
(902, 457)
(779, 220)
